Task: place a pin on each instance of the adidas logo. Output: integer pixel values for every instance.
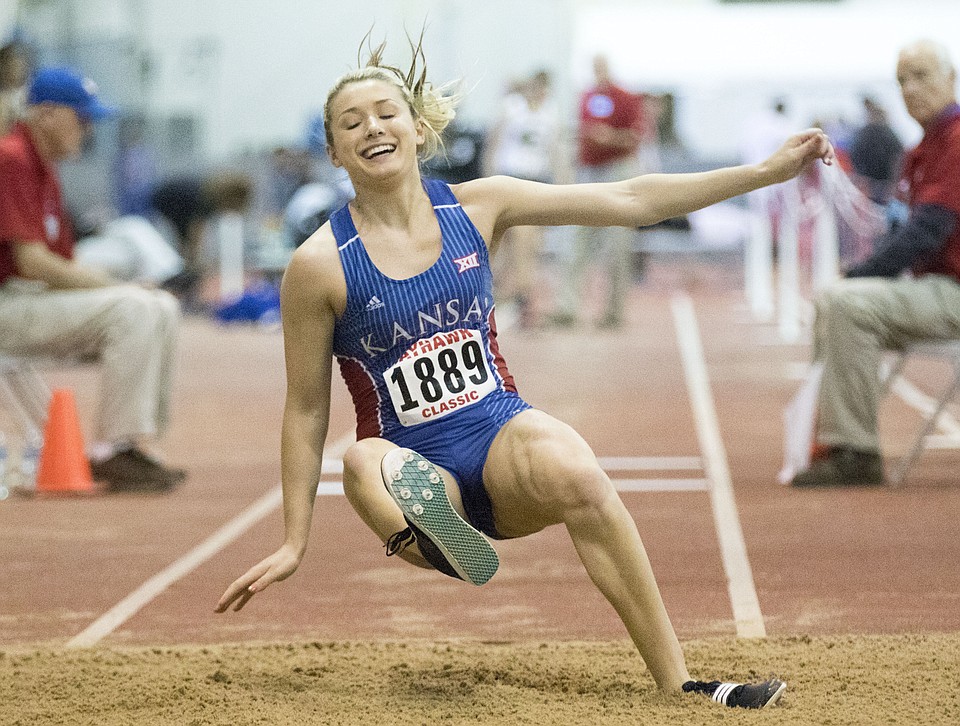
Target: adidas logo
(375, 304)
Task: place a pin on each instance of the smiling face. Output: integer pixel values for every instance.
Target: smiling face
(926, 82)
(372, 130)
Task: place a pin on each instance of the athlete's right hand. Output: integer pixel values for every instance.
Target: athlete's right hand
(278, 566)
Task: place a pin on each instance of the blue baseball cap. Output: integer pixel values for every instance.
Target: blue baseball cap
(66, 87)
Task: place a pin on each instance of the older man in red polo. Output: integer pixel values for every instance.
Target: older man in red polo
(54, 307)
(907, 291)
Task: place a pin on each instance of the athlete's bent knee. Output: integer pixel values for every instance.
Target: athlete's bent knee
(587, 487)
(361, 463)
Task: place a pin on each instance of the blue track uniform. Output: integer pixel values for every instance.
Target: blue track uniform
(420, 355)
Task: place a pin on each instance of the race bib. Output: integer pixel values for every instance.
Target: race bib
(439, 375)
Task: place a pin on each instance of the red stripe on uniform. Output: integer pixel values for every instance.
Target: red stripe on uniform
(499, 363)
(366, 402)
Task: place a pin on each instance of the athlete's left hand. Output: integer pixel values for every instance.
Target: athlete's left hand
(797, 152)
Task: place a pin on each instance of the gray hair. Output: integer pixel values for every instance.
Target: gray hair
(934, 48)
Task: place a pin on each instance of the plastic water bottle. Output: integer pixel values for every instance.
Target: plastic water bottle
(29, 460)
(4, 489)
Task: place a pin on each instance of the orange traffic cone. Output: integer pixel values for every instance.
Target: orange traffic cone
(63, 467)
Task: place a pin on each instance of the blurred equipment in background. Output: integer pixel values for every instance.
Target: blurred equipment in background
(309, 208)
(14, 73)
(132, 250)
(461, 158)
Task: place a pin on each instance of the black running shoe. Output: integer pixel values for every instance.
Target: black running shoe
(399, 541)
(740, 695)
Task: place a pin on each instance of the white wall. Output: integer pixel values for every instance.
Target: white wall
(8, 13)
(255, 70)
(727, 61)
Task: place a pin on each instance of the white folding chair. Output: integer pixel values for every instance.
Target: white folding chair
(949, 351)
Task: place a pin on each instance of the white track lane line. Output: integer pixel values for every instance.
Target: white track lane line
(132, 603)
(335, 488)
(651, 463)
(661, 485)
(733, 549)
(608, 463)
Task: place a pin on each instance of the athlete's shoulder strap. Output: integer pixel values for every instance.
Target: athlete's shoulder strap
(440, 193)
(344, 230)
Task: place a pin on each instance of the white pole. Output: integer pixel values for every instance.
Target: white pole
(230, 238)
(788, 267)
(826, 246)
(758, 258)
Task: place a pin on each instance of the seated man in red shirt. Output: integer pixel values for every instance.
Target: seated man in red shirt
(53, 306)
(875, 309)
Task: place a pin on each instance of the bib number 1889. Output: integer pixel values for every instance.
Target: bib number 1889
(439, 377)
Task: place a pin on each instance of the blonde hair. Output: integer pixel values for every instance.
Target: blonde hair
(434, 107)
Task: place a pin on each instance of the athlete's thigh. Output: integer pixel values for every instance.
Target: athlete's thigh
(364, 488)
(538, 468)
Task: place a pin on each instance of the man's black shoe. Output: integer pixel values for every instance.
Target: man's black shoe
(132, 470)
(842, 467)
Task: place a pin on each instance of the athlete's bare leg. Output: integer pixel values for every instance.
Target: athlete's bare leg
(363, 486)
(539, 472)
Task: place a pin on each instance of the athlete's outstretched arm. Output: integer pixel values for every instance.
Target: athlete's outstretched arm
(498, 203)
(308, 320)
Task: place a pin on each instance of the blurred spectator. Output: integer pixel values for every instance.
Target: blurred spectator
(666, 120)
(875, 154)
(187, 203)
(290, 169)
(649, 150)
(611, 129)
(524, 143)
(135, 168)
(14, 73)
(52, 305)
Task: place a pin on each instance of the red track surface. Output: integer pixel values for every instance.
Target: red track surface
(855, 561)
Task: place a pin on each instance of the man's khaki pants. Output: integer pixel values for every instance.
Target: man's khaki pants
(610, 246)
(859, 318)
(131, 331)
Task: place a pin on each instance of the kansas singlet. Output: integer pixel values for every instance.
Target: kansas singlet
(420, 356)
